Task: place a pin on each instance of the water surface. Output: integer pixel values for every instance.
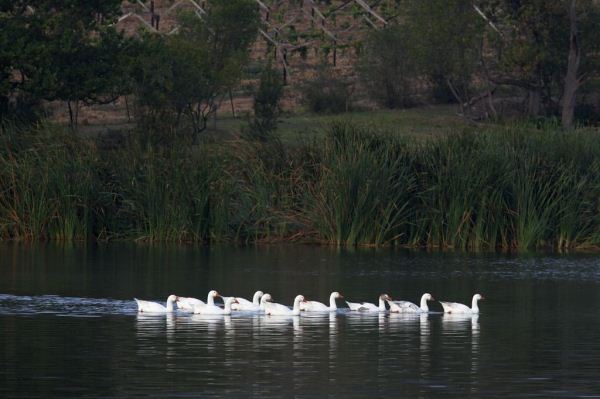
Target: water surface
(69, 326)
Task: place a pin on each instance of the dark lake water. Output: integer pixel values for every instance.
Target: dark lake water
(69, 326)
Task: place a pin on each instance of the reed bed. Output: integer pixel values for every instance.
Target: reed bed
(509, 188)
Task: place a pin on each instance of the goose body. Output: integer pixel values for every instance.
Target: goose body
(370, 307)
(277, 309)
(187, 303)
(246, 305)
(409, 307)
(214, 309)
(153, 307)
(314, 306)
(190, 304)
(454, 307)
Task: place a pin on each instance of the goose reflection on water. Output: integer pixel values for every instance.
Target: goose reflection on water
(463, 325)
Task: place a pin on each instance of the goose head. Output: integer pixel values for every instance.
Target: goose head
(428, 297)
(298, 299)
(476, 298)
(230, 301)
(265, 298)
(172, 298)
(214, 294)
(336, 295)
(382, 300)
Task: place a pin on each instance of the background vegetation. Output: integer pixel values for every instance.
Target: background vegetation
(495, 59)
(514, 187)
(533, 182)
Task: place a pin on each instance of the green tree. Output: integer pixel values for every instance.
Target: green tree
(194, 69)
(447, 36)
(157, 110)
(327, 92)
(64, 50)
(221, 42)
(266, 103)
(388, 67)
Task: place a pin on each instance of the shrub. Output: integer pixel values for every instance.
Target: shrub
(327, 93)
(266, 104)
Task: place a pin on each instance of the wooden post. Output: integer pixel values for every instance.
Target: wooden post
(334, 52)
(157, 19)
(284, 66)
(152, 13)
(231, 101)
(572, 81)
(127, 108)
(215, 118)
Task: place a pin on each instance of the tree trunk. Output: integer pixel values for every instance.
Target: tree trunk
(571, 80)
(71, 117)
(76, 114)
(73, 114)
(232, 105)
(127, 108)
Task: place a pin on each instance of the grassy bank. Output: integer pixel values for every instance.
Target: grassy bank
(421, 122)
(499, 188)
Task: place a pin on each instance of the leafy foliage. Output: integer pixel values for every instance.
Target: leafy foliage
(389, 68)
(267, 103)
(189, 73)
(60, 51)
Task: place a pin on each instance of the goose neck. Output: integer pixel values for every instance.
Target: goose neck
(210, 300)
(332, 304)
(297, 305)
(424, 307)
(170, 305)
(474, 305)
(381, 305)
(256, 298)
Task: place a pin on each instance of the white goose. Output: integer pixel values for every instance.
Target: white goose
(370, 307)
(214, 309)
(314, 306)
(277, 309)
(153, 307)
(188, 304)
(244, 304)
(409, 307)
(453, 307)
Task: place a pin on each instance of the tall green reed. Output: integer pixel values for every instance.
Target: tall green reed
(511, 187)
(46, 185)
(363, 188)
(161, 194)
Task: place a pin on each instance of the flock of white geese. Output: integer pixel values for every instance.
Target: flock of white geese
(262, 302)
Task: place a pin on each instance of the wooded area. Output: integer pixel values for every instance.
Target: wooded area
(495, 59)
